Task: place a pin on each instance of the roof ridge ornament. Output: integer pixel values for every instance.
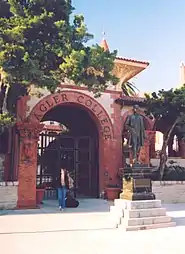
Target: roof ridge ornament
(104, 43)
(103, 33)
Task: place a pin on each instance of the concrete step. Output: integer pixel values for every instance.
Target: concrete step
(116, 214)
(117, 210)
(119, 203)
(145, 220)
(145, 227)
(150, 212)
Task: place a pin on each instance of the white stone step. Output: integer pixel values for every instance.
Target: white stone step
(145, 220)
(150, 212)
(145, 227)
(116, 214)
(142, 204)
(117, 210)
(119, 203)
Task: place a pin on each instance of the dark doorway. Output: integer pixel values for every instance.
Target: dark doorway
(77, 150)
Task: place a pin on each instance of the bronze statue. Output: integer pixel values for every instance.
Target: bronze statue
(135, 125)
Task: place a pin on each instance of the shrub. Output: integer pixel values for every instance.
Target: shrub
(171, 173)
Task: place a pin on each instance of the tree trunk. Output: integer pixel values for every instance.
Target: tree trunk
(163, 155)
(2, 96)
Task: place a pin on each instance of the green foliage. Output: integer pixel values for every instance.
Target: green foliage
(171, 173)
(167, 105)
(7, 120)
(40, 44)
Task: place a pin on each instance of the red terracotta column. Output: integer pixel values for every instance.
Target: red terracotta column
(7, 159)
(29, 134)
(182, 148)
(170, 147)
(112, 159)
(144, 156)
(152, 146)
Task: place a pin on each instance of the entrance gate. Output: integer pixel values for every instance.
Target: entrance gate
(77, 154)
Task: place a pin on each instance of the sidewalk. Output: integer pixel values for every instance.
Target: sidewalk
(91, 214)
(87, 229)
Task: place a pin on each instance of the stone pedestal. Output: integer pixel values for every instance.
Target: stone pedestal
(140, 215)
(137, 208)
(137, 184)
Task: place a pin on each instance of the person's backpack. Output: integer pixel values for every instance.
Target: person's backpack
(71, 202)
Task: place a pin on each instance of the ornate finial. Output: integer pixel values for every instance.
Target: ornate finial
(104, 44)
(103, 33)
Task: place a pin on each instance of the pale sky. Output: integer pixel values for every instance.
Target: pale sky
(149, 30)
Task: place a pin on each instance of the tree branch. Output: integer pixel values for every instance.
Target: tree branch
(163, 155)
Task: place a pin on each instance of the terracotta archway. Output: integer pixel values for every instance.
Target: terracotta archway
(27, 164)
(94, 108)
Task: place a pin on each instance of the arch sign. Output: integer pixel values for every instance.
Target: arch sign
(67, 97)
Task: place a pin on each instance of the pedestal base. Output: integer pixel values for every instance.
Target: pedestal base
(141, 215)
(138, 196)
(137, 184)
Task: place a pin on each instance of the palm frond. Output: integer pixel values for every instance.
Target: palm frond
(129, 89)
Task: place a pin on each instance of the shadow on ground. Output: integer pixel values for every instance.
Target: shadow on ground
(179, 221)
(174, 207)
(177, 212)
(51, 207)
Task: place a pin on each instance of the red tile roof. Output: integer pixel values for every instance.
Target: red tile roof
(131, 60)
(130, 98)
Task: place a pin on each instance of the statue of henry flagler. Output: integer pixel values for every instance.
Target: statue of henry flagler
(135, 125)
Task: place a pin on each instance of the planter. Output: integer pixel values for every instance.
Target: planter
(39, 195)
(112, 193)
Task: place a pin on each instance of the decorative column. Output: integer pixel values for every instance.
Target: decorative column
(144, 156)
(181, 143)
(152, 147)
(170, 147)
(27, 165)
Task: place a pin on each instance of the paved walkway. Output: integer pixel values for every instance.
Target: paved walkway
(87, 229)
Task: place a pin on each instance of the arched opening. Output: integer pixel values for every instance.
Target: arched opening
(172, 149)
(87, 148)
(70, 140)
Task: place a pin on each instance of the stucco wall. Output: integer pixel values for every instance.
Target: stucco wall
(169, 192)
(8, 195)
